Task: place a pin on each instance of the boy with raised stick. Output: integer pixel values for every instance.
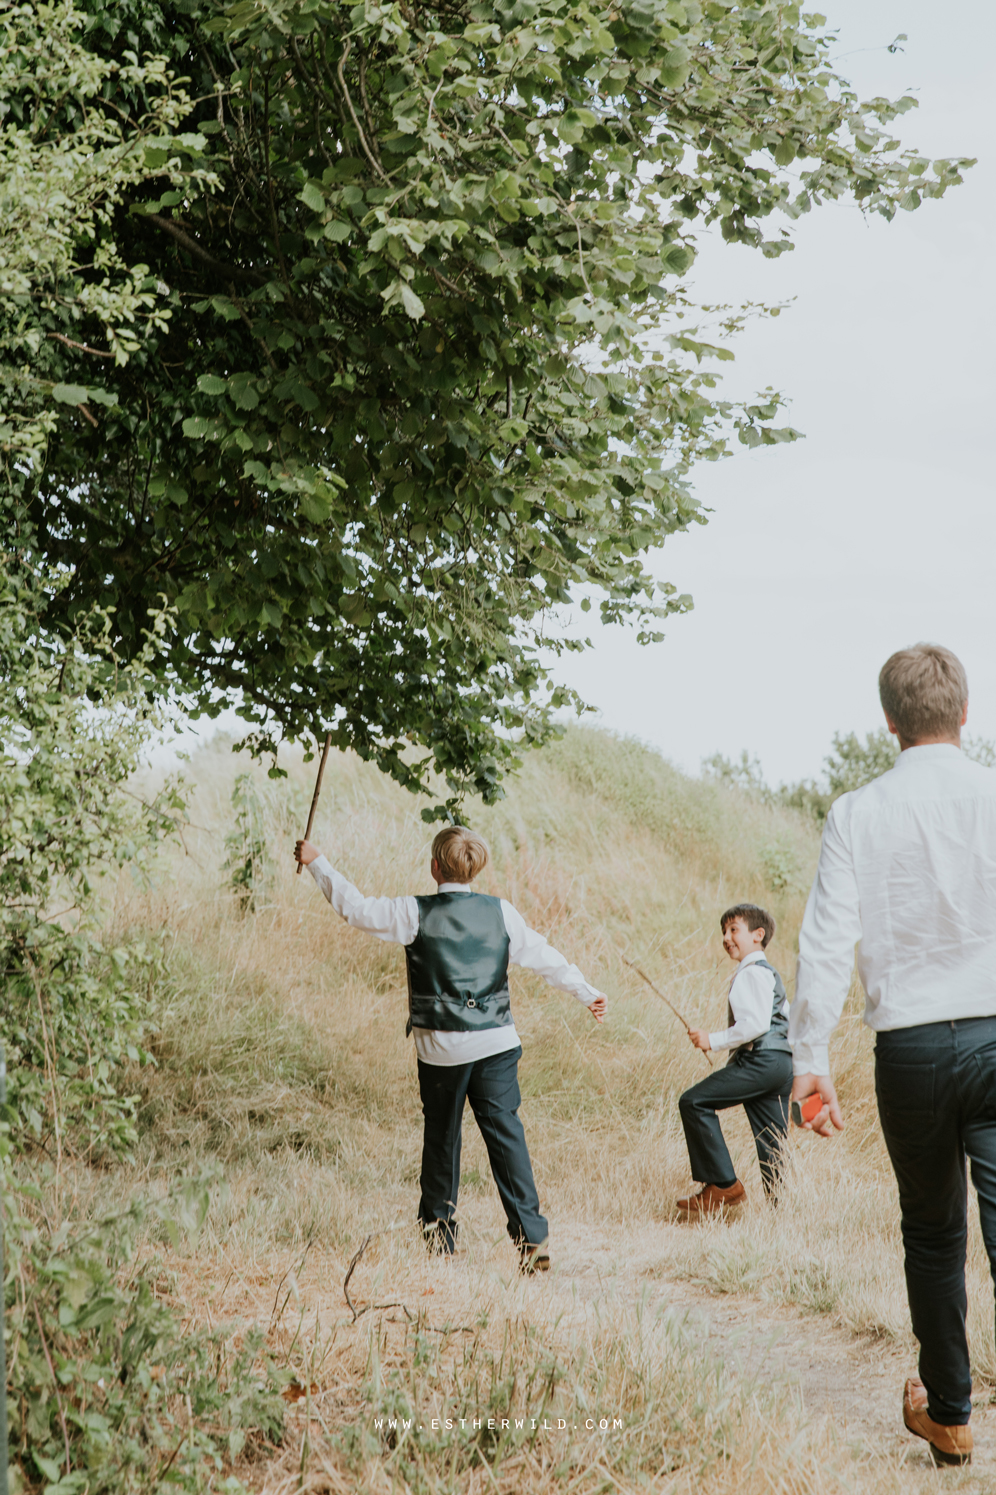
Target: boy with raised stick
(458, 947)
(757, 1075)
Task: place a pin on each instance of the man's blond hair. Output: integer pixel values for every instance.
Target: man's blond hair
(459, 853)
(924, 691)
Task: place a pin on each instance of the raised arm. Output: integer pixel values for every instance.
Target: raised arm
(830, 929)
(392, 919)
(531, 950)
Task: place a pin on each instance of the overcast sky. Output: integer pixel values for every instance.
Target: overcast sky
(879, 528)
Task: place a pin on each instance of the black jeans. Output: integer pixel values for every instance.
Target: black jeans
(760, 1080)
(492, 1087)
(936, 1088)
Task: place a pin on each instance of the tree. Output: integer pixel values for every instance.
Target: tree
(426, 368)
(67, 158)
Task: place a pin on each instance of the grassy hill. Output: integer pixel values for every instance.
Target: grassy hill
(601, 844)
(280, 1053)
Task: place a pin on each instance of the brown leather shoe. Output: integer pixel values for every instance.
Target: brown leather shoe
(712, 1200)
(948, 1445)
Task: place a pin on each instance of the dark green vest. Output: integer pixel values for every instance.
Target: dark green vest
(777, 1035)
(458, 964)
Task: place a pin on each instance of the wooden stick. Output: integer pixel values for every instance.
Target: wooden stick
(686, 1025)
(318, 790)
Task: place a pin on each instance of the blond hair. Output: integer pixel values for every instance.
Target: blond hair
(924, 691)
(459, 853)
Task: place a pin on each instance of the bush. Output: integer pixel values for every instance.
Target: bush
(245, 845)
(72, 729)
(105, 1388)
(108, 1391)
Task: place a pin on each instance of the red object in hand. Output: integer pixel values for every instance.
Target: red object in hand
(809, 1108)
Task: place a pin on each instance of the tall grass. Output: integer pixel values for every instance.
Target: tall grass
(281, 1052)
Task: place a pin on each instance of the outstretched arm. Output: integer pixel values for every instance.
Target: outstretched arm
(391, 919)
(530, 949)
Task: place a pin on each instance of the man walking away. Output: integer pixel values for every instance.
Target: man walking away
(907, 870)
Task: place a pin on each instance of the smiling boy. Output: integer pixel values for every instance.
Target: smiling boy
(757, 1076)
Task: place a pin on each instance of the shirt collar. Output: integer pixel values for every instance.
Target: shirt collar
(454, 887)
(749, 960)
(927, 752)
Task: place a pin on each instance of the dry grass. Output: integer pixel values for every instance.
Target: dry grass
(281, 1052)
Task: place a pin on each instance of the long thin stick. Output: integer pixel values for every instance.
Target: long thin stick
(686, 1025)
(318, 790)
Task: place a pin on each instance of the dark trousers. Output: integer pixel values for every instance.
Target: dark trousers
(936, 1088)
(760, 1080)
(492, 1087)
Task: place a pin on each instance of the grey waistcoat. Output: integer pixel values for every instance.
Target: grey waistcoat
(458, 964)
(777, 1035)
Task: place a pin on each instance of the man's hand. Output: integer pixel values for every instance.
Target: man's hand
(700, 1038)
(805, 1085)
(597, 1008)
(305, 853)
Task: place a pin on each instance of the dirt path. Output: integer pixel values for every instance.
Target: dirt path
(856, 1381)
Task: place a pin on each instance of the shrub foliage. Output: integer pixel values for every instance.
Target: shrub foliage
(424, 365)
(105, 1389)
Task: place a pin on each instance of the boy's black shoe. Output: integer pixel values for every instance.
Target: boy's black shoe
(439, 1238)
(533, 1259)
(711, 1200)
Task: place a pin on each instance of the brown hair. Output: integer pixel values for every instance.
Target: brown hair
(753, 917)
(460, 853)
(923, 691)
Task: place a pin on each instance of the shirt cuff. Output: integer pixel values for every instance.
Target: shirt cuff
(811, 1059)
(320, 864)
(720, 1041)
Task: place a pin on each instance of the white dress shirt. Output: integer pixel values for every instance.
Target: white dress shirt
(396, 920)
(751, 1001)
(907, 870)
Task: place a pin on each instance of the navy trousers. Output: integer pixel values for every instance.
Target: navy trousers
(760, 1080)
(492, 1087)
(936, 1088)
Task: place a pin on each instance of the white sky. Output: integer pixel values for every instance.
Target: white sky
(879, 528)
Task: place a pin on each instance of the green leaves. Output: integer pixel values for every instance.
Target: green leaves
(73, 725)
(417, 353)
(312, 196)
(244, 396)
(84, 1308)
(68, 157)
(573, 123)
(201, 427)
